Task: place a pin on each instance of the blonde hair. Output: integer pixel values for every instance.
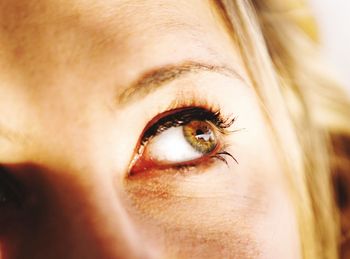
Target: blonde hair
(279, 45)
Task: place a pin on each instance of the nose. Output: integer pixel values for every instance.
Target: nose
(79, 217)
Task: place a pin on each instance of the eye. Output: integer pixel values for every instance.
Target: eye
(183, 143)
(182, 137)
(10, 194)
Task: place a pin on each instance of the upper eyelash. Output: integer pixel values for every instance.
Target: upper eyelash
(182, 116)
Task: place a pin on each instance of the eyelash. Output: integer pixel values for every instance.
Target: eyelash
(181, 116)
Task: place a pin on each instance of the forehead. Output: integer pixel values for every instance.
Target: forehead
(39, 36)
(59, 60)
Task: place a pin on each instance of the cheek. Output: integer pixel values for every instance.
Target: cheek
(214, 215)
(278, 229)
(207, 214)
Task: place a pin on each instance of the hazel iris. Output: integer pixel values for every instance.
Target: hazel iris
(200, 135)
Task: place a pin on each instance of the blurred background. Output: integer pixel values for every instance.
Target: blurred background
(333, 18)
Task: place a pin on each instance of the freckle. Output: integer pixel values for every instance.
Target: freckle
(18, 52)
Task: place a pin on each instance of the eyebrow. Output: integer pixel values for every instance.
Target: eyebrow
(155, 78)
(13, 136)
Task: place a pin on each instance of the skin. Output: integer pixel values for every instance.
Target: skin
(69, 140)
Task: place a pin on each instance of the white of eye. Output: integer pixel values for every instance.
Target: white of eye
(171, 146)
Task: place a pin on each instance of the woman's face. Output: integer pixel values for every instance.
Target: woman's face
(130, 129)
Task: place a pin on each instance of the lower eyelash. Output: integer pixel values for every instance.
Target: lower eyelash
(220, 156)
(223, 155)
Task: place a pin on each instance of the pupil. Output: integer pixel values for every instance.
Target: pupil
(200, 136)
(199, 132)
(203, 135)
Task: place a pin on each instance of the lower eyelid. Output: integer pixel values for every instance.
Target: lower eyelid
(146, 165)
(194, 168)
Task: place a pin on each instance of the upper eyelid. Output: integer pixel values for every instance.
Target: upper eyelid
(188, 114)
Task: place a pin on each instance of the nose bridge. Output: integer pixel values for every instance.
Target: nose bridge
(83, 217)
(100, 222)
(111, 226)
